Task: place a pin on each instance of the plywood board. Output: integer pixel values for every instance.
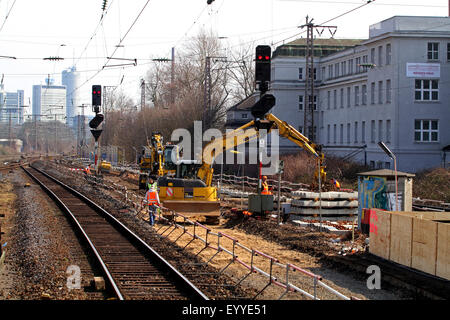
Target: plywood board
(443, 251)
(380, 233)
(424, 245)
(401, 239)
(425, 215)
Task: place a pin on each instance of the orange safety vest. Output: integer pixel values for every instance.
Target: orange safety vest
(265, 190)
(336, 183)
(152, 197)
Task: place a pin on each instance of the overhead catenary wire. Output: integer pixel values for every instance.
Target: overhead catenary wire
(7, 15)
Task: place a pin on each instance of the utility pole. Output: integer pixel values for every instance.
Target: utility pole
(142, 94)
(82, 127)
(207, 90)
(172, 77)
(308, 118)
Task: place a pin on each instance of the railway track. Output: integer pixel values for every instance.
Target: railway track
(131, 268)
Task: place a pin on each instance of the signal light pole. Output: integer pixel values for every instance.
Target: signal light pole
(95, 122)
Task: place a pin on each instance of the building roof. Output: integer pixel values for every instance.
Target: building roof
(332, 42)
(386, 173)
(322, 47)
(246, 104)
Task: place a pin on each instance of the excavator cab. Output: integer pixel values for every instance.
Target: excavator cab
(187, 194)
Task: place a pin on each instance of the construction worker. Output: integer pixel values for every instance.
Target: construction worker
(336, 184)
(265, 186)
(87, 170)
(152, 200)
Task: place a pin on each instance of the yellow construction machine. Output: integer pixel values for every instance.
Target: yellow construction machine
(156, 160)
(190, 192)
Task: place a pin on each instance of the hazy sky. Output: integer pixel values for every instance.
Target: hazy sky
(37, 29)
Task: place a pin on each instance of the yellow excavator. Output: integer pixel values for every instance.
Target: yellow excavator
(190, 191)
(156, 160)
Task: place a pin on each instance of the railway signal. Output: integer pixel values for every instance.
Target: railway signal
(262, 67)
(95, 122)
(264, 104)
(96, 95)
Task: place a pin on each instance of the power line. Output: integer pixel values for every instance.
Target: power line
(104, 13)
(7, 15)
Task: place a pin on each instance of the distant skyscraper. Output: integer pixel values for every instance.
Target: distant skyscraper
(49, 100)
(70, 79)
(11, 104)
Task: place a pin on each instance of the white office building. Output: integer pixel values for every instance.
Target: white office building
(49, 102)
(11, 106)
(71, 79)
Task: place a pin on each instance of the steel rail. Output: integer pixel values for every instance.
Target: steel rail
(180, 280)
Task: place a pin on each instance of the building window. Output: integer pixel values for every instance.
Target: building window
(300, 73)
(388, 91)
(348, 132)
(365, 61)
(344, 67)
(314, 102)
(372, 55)
(348, 96)
(387, 165)
(334, 134)
(300, 103)
(350, 66)
(356, 131)
(379, 165)
(335, 99)
(357, 96)
(372, 131)
(388, 54)
(388, 131)
(380, 92)
(363, 132)
(364, 94)
(358, 65)
(328, 134)
(330, 71)
(244, 116)
(448, 51)
(323, 73)
(380, 56)
(426, 130)
(426, 90)
(341, 135)
(372, 93)
(372, 164)
(342, 97)
(433, 51)
(336, 70)
(328, 99)
(380, 130)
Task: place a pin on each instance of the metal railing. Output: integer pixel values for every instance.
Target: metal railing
(217, 245)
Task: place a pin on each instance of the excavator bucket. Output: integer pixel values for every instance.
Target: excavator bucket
(202, 211)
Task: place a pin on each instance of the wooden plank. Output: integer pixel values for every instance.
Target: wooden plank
(401, 239)
(424, 245)
(443, 251)
(380, 233)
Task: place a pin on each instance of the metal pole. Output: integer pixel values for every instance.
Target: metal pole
(320, 197)
(396, 187)
(172, 77)
(279, 197)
